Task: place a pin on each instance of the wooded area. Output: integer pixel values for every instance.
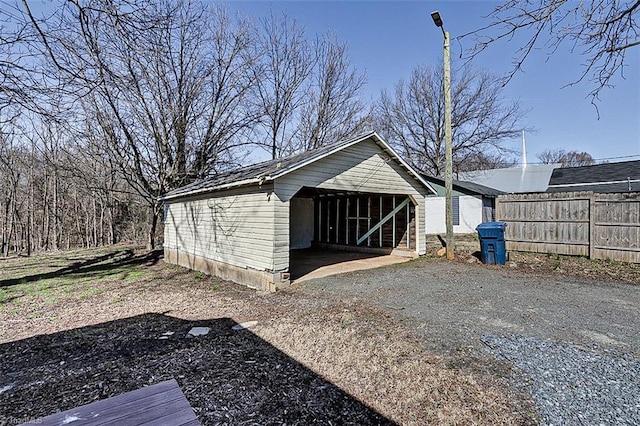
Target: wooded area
(600, 226)
(107, 104)
(55, 194)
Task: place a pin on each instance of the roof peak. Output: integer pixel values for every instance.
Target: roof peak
(269, 170)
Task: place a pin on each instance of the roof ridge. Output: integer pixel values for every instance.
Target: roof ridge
(289, 157)
(257, 172)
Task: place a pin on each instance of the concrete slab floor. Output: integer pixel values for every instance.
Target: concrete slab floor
(306, 264)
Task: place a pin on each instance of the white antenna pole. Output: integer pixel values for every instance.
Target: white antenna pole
(524, 150)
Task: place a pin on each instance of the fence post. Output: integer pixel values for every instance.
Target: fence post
(592, 225)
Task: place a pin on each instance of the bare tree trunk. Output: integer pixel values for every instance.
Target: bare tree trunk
(110, 217)
(30, 203)
(101, 223)
(6, 238)
(94, 214)
(28, 232)
(76, 211)
(87, 231)
(56, 218)
(46, 220)
(156, 210)
(12, 203)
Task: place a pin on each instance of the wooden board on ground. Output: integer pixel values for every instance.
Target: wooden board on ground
(159, 404)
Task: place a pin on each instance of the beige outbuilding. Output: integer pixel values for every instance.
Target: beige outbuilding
(357, 194)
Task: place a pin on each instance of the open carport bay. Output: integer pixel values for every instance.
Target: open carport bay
(333, 232)
(310, 263)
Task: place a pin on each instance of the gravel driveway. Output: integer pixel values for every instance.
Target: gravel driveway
(552, 329)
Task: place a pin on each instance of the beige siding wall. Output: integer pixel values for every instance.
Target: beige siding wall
(235, 227)
(362, 168)
(281, 234)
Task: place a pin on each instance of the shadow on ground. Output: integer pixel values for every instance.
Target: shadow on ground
(305, 261)
(105, 262)
(228, 376)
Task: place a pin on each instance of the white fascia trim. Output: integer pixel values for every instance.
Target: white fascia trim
(373, 135)
(214, 188)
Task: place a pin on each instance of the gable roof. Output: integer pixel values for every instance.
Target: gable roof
(514, 180)
(608, 177)
(267, 171)
(464, 186)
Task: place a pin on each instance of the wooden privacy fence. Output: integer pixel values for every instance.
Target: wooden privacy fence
(600, 226)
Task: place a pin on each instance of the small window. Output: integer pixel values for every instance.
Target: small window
(455, 202)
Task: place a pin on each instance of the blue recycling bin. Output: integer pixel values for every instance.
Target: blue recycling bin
(492, 246)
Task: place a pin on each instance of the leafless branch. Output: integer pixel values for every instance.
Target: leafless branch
(413, 118)
(600, 31)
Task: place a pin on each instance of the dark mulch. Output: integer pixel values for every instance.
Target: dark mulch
(229, 377)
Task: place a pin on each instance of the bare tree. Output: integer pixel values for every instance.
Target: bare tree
(281, 77)
(412, 118)
(567, 159)
(167, 83)
(600, 31)
(20, 75)
(334, 109)
(41, 185)
(482, 161)
(11, 175)
(128, 99)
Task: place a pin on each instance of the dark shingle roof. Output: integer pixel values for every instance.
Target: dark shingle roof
(466, 186)
(607, 177)
(253, 173)
(480, 189)
(268, 170)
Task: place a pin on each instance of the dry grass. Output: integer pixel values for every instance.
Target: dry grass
(361, 349)
(577, 266)
(377, 360)
(467, 248)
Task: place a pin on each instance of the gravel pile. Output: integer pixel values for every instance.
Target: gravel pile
(573, 385)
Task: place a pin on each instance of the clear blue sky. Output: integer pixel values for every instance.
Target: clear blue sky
(388, 39)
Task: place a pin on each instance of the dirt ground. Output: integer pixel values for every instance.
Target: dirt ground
(80, 326)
